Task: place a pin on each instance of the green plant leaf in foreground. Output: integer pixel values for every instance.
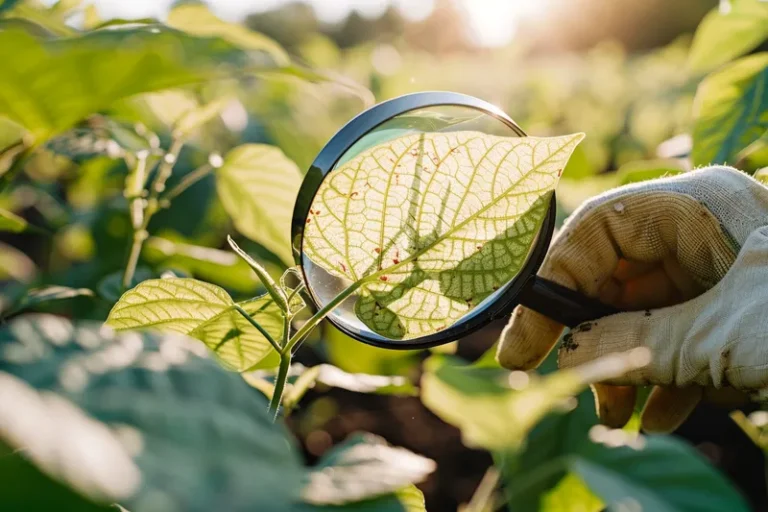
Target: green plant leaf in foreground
(252, 177)
(431, 224)
(630, 469)
(142, 419)
(205, 312)
(363, 467)
(495, 409)
(727, 32)
(148, 421)
(731, 110)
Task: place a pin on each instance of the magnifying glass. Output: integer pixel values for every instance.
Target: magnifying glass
(409, 204)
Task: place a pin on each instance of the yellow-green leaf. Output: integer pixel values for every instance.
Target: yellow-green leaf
(9, 221)
(48, 86)
(727, 32)
(433, 223)
(731, 110)
(205, 312)
(257, 185)
(197, 19)
(495, 409)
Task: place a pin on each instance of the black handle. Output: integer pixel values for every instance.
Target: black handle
(562, 304)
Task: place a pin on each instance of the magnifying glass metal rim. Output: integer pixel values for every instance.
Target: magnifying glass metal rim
(342, 141)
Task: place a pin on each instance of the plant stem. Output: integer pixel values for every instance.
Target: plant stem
(322, 313)
(165, 168)
(141, 212)
(186, 182)
(258, 326)
(282, 377)
(273, 289)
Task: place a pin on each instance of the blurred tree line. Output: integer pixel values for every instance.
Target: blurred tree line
(568, 25)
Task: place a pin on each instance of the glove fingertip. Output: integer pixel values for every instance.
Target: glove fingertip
(527, 340)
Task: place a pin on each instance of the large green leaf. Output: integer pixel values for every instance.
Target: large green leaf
(728, 32)
(144, 419)
(205, 312)
(639, 473)
(363, 467)
(731, 110)
(496, 409)
(197, 19)
(433, 223)
(257, 185)
(48, 86)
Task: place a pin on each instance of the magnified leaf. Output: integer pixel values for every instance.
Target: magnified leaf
(205, 312)
(728, 32)
(142, 419)
(731, 110)
(363, 467)
(432, 224)
(257, 185)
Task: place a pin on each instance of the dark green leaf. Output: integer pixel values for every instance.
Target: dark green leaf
(731, 110)
(27, 488)
(39, 296)
(165, 427)
(640, 473)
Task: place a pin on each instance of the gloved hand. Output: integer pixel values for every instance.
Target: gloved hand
(695, 246)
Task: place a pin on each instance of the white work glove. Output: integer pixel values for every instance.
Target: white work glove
(695, 246)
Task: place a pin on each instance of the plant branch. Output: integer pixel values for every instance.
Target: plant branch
(166, 168)
(258, 326)
(322, 313)
(280, 380)
(186, 182)
(273, 289)
(141, 211)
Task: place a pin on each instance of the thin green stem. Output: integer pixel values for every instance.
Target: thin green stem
(258, 326)
(322, 313)
(273, 289)
(141, 211)
(282, 377)
(294, 292)
(186, 182)
(166, 168)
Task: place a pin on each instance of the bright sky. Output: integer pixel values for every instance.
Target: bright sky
(492, 22)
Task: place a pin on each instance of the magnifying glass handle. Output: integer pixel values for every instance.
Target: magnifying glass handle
(562, 304)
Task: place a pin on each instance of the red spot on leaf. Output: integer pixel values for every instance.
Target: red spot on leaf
(377, 250)
(384, 278)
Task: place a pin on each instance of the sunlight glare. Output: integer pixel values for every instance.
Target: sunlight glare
(495, 22)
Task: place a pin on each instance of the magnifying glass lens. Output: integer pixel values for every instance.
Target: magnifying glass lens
(416, 212)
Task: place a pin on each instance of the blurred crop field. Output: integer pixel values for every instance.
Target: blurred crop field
(207, 101)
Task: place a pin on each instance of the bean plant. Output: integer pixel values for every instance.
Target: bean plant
(156, 390)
